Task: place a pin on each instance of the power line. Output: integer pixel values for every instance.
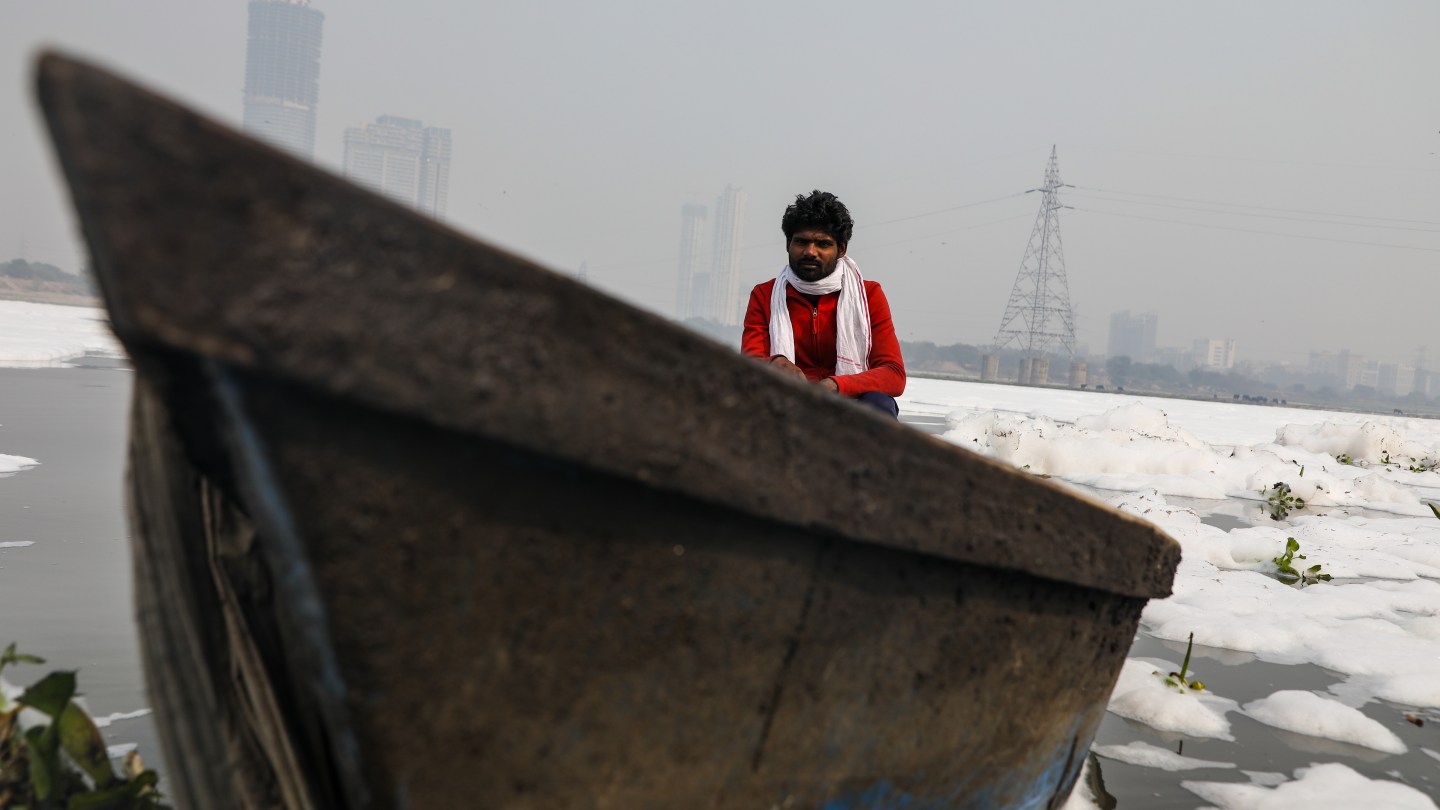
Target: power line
(772, 244)
(1254, 230)
(943, 210)
(1238, 159)
(1257, 207)
(1263, 216)
(947, 233)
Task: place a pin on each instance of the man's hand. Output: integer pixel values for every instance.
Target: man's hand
(830, 385)
(781, 362)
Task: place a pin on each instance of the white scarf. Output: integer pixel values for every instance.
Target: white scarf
(852, 315)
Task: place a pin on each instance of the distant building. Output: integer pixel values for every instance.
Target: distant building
(402, 159)
(1347, 367)
(1216, 354)
(692, 275)
(1182, 359)
(724, 301)
(708, 285)
(1395, 379)
(1370, 374)
(1323, 363)
(1133, 336)
(282, 74)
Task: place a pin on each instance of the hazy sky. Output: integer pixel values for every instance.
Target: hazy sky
(581, 128)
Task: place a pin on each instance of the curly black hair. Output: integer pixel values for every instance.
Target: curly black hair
(821, 210)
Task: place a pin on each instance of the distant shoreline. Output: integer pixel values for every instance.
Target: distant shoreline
(44, 297)
(1304, 406)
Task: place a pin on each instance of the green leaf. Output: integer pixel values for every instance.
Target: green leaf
(1292, 545)
(1325, 577)
(1434, 509)
(44, 762)
(82, 741)
(1185, 665)
(51, 693)
(1314, 569)
(12, 657)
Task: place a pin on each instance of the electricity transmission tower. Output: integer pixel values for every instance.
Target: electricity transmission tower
(1038, 316)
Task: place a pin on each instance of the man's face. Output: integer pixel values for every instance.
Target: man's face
(813, 254)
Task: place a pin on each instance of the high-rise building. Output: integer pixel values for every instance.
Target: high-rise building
(724, 303)
(692, 277)
(402, 159)
(1351, 367)
(282, 74)
(1133, 336)
(709, 284)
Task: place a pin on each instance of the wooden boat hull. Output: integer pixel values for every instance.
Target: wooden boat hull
(420, 525)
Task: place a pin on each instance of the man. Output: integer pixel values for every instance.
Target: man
(818, 319)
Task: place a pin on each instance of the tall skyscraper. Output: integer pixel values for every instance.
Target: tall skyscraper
(282, 74)
(724, 304)
(402, 159)
(693, 278)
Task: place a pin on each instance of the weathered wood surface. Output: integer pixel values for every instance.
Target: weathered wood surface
(424, 525)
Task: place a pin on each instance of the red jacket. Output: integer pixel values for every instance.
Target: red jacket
(815, 339)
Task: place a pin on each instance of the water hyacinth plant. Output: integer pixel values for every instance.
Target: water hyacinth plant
(1281, 501)
(63, 763)
(1178, 679)
(1285, 569)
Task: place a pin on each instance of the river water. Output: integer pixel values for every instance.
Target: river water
(67, 597)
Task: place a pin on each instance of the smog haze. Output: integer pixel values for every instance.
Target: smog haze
(1261, 172)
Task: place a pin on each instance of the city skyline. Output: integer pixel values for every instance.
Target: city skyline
(1259, 172)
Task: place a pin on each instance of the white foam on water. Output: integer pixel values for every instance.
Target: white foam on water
(1143, 695)
(1309, 713)
(1367, 623)
(17, 543)
(1366, 481)
(102, 722)
(1082, 797)
(1328, 786)
(49, 335)
(1151, 756)
(14, 464)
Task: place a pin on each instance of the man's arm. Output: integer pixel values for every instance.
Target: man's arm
(887, 367)
(755, 336)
